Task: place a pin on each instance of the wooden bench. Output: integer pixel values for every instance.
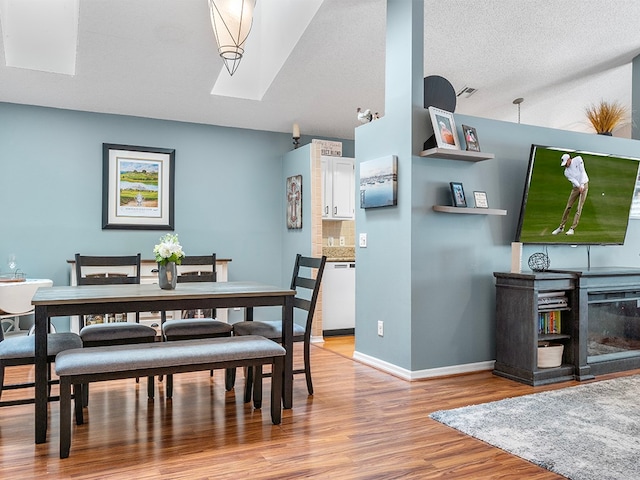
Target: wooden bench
(84, 365)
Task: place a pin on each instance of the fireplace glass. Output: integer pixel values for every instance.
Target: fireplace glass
(614, 326)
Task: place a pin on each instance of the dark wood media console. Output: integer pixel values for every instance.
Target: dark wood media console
(596, 317)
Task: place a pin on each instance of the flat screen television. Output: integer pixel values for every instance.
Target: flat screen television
(605, 211)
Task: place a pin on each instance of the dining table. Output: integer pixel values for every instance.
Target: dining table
(62, 301)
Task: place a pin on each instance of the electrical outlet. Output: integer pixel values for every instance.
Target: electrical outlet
(363, 240)
(380, 328)
(342, 243)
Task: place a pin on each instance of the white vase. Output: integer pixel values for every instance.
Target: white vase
(168, 276)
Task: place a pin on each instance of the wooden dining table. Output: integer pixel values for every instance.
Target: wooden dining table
(81, 300)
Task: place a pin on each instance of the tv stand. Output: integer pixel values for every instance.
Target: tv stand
(600, 323)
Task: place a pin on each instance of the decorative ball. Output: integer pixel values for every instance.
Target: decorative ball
(539, 262)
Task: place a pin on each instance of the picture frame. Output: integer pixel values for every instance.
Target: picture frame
(444, 128)
(480, 199)
(294, 202)
(137, 187)
(379, 182)
(457, 194)
(471, 138)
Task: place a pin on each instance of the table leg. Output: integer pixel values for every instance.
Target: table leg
(41, 381)
(287, 343)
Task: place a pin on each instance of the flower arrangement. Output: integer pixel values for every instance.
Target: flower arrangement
(168, 250)
(606, 116)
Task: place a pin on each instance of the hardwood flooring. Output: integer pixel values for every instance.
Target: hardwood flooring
(360, 424)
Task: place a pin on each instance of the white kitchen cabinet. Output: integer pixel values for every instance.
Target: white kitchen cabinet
(148, 274)
(338, 188)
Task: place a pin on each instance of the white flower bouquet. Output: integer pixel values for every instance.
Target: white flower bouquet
(168, 250)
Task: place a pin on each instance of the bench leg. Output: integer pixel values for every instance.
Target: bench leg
(150, 387)
(169, 386)
(277, 376)
(78, 400)
(65, 418)
(257, 386)
(248, 383)
(230, 379)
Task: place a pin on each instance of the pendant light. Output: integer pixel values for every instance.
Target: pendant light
(231, 21)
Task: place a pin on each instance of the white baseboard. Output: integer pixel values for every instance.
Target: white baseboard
(422, 374)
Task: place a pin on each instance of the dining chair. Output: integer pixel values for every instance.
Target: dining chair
(196, 323)
(111, 270)
(20, 350)
(307, 288)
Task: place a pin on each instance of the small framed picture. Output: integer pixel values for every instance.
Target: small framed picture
(471, 137)
(480, 199)
(457, 194)
(444, 128)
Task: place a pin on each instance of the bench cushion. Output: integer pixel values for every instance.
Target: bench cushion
(122, 358)
(24, 346)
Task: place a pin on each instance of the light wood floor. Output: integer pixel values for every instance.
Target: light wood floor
(360, 424)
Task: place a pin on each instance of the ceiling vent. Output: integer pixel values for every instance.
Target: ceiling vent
(466, 92)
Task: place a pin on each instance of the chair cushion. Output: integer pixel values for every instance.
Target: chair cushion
(270, 329)
(102, 332)
(24, 346)
(195, 327)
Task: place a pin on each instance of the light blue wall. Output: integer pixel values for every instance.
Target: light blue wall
(229, 191)
(429, 275)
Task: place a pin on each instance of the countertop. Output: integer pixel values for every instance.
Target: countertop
(340, 254)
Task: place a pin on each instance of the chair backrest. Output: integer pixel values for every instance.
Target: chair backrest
(207, 274)
(198, 268)
(107, 270)
(307, 288)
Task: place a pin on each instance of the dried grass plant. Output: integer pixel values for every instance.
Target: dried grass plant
(605, 116)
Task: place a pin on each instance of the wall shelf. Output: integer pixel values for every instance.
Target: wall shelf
(451, 154)
(473, 211)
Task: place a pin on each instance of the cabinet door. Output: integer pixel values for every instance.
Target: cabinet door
(343, 188)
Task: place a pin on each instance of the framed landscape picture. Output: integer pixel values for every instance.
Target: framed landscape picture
(137, 187)
(444, 128)
(379, 182)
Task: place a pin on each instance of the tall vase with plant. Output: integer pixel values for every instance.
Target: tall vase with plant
(168, 254)
(605, 116)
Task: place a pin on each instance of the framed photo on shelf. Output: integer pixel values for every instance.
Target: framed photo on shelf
(480, 199)
(137, 187)
(457, 194)
(444, 128)
(471, 137)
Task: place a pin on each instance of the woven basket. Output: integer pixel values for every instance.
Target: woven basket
(550, 355)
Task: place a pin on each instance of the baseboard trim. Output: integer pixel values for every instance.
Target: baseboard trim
(422, 374)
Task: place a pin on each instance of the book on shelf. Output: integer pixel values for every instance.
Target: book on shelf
(550, 322)
(552, 300)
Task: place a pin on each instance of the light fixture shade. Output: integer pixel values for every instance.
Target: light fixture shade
(231, 21)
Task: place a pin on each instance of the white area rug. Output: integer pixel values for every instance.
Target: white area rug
(587, 432)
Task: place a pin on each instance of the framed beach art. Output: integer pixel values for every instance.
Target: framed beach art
(137, 187)
(444, 128)
(379, 182)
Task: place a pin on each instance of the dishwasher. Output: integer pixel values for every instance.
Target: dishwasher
(339, 298)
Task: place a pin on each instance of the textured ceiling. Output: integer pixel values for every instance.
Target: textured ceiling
(158, 59)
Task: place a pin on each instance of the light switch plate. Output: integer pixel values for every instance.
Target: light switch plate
(363, 240)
